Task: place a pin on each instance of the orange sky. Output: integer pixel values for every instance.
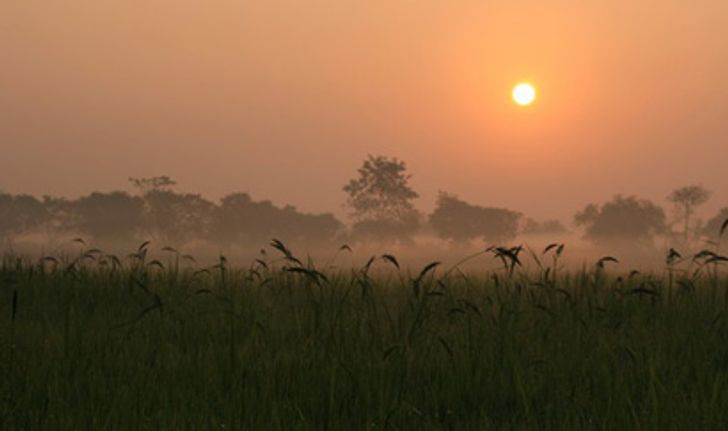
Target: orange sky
(284, 98)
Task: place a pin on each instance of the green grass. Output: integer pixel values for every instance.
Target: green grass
(90, 345)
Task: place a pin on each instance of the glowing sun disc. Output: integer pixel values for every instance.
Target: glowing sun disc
(524, 94)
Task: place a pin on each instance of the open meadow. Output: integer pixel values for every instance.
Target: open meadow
(103, 342)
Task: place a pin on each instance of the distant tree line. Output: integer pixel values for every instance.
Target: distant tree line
(161, 214)
(640, 221)
(381, 208)
(381, 202)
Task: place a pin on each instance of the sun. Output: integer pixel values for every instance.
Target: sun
(524, 94)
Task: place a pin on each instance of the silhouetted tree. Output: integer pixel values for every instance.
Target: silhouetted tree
(459, 221)
(685, 200)
(380, 200)
(175, 218)
(170, 217)
(146, 185)
(109, 217)
(713, 226)
(61, 218)
(622, 219)
(19, 214)
(240, 220)
(306, 228)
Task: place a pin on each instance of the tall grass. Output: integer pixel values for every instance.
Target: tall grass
(104, 342)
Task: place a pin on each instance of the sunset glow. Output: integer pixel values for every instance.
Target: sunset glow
(211, 93)
(347, 214)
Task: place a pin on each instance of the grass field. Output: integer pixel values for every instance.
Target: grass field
(101, 343)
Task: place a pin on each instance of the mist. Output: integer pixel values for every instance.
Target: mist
(157, 215)
(379, 214)
(283, 100)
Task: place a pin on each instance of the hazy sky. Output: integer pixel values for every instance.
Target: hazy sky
(285, 98)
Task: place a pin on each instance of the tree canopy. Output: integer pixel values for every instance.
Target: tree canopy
(622, 218)
(240, 219)
(686, 200)
(19, 214)
(712, 228)
(380, 199)
(457, 220)
(111, 216)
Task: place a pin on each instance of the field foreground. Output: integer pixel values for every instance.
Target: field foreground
(101, 343)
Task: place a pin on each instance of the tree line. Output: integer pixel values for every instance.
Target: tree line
(381, 208)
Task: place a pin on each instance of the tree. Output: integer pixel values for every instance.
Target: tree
(109, 217)
(235, 219)
(61, 217)
(171, 217)
(306, 228)
(239, 219)
(380, 199)
(621, 219)
(19, 214)
(713, 227)
(174, 218)
(460, 221)
(685, 200)
(146, 185)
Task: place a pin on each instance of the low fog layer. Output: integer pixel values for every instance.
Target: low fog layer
(382, 219)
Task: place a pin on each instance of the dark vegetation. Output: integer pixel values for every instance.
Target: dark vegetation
(96, 341)
(458, 220)
(381, 204)
(639, 220)
(380, 200)
(155, 340)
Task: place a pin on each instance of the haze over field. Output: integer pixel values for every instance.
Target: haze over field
(283, 99)
(364, 214)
